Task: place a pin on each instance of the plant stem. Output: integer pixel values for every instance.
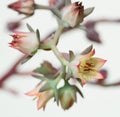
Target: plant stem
(58, 33)
(38, 6)
(58, 55)
(54, 10)
(12, 71)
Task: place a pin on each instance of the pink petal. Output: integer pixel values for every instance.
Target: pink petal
(98, 62)
(34, 91)
(99, 76)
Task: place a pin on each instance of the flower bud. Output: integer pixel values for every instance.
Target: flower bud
(26, 42)
(12, 25)
(23, 6)
(67, 95)
(73, 14)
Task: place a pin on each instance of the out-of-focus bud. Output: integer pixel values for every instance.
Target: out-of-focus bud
(13, 25)
(67, 96)
(26, 42)
(23, 6)
(73, 14)
(104, 72)
(91, 32)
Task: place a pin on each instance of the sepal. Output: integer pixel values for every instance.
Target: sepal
(47, 70)
(88, 11)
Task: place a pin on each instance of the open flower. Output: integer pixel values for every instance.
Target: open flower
(73, 14)
(87, 67)
(43, 97)
(23, 6)
(26, 42)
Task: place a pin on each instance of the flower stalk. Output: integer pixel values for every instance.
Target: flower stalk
(80, 67)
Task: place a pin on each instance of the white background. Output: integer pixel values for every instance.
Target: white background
(99, 101)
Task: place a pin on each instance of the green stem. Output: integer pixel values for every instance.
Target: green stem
(38, 6)
(58, 55)
(58, 33)
(54, 10)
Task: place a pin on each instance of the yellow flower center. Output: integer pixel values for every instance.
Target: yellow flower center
(86, 66)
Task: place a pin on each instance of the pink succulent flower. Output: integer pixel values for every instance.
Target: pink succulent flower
(73, 14)
(87, 67)
(23, 6)
(26, 42)
(43, 97)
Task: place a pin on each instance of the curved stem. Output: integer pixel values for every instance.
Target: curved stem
(105, 84)
(54, 10)
(12, 71)
(58, 55)
(58, 33)
(38, 6)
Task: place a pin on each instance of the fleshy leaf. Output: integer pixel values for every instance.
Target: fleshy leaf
(30, 28)
(68, 56)
(88, 11)
(38, 34)
(87, 50)
(47, 70)
(26, 59)
(79, 81)
(72, 56)
(79, 91)
(56, 96)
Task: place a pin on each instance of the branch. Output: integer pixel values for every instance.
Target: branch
(103, 84)
(12, 71)
(89, 23)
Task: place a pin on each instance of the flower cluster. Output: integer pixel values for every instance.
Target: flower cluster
(81, 67)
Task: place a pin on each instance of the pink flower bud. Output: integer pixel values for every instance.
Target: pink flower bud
(13, 25)
(26, 42)
(23, 6)
(73, 14)
(91, 32)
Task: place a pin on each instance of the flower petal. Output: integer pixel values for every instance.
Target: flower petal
(35, 91)
(99, 76)
(98, 62)
(44, 98)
